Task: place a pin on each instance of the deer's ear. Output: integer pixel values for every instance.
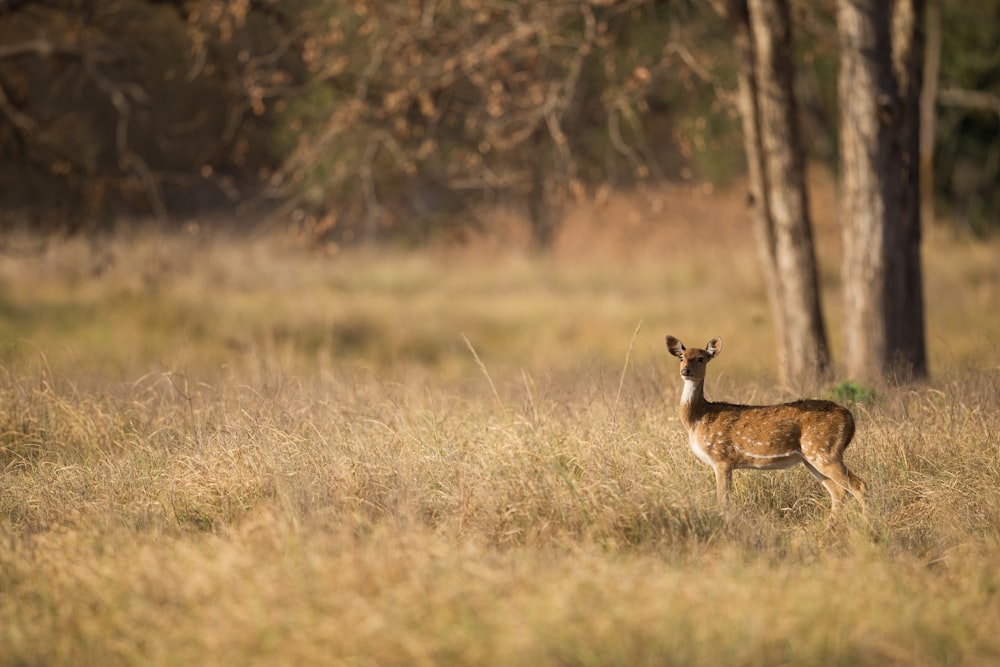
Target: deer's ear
(714, 347)
(675, 346)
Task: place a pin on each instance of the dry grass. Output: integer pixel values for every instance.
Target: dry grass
(240, 453)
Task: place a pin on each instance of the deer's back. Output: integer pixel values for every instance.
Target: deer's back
(770, 430)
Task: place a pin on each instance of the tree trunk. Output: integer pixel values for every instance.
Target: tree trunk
(759, 211)
(776, 167)
(879, 139)
(928, 115)
(545, 210)
(905, 314)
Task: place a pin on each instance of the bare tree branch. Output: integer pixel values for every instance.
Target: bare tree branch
(22, 121)
(37, 47)
(977, 100)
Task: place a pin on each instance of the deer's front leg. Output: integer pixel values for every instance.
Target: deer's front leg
(723, 482)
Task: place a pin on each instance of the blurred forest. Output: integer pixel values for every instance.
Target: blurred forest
(401, 119)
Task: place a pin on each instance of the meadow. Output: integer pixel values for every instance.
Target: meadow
(245, 450)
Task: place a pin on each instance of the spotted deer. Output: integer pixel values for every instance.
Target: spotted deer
(764, 437)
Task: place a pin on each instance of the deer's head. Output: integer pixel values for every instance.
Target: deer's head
(694, 360)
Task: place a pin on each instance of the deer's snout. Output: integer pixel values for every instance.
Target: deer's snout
(685, 372)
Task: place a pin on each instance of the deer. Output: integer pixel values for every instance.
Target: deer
(728, 436)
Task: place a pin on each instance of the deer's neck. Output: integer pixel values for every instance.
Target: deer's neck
(693, 402)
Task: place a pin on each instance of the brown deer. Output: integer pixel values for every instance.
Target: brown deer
(764, 437)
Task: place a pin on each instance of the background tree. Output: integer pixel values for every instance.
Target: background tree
(967, 133)
(879, 83)
(928, 109)
(460, 104)
(147, 108)
(386, 119)
(779, 198)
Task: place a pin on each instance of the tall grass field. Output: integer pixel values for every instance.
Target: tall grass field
(246, 451)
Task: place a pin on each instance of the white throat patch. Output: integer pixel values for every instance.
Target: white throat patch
(689, 390)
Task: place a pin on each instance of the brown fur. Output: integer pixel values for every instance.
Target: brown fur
(764, 437)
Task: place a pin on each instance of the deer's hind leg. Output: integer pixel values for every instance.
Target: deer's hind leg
(857, 488)
(837, 480)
